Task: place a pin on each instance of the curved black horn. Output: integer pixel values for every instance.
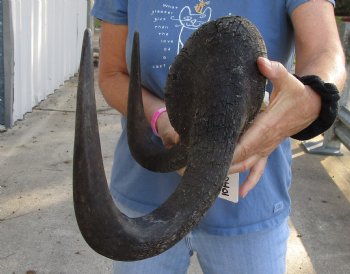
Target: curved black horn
(144, 150)
(221, 94)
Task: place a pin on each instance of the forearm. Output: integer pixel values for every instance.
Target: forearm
(318, 47)
(113, 74)
(115, 88)
(329, 65)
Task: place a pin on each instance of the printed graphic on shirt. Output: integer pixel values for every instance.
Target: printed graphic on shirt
(186, 19)
(200, 6)
(189, 22)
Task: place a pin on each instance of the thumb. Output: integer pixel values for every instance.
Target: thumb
(274, 71)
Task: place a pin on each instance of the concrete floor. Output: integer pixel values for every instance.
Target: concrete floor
(38, 231)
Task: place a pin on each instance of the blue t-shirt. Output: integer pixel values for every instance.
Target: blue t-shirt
(164, 27)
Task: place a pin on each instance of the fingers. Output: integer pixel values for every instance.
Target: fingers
(279, 76)
(181, 171)
(274, 71)
(271, 126)
(170, 138)
(244, 165)
(253, 142)
(253, 178)
(166, 132)
(259, 140)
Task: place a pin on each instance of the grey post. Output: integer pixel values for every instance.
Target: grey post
(9, 63)
(2, 72)
(6, 64)
(89, 18)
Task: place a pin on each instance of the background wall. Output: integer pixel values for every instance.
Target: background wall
(47, 43)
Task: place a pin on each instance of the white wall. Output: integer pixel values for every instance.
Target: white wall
(47, 44)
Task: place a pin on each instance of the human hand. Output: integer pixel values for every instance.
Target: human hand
(168, 134)
(292, 108)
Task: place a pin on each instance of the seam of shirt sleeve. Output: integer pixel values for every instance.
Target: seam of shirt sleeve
(292, 5)
(109, 18)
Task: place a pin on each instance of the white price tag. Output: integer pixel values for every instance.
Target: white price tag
(230, 188)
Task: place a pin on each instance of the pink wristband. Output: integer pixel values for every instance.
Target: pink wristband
(155, 118)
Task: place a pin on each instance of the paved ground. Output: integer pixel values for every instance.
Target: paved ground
(38, 232)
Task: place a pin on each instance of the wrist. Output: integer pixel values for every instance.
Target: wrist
(155, 117)
(162, 123)
(313, 103)
(329, 97)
